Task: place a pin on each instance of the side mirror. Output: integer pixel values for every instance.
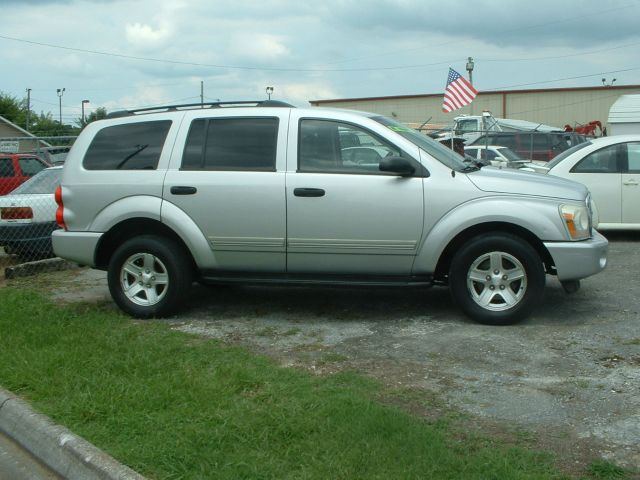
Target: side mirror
(398, 165)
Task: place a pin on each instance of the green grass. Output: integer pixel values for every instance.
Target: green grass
(175, 406)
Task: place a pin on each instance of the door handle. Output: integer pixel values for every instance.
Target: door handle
(630, 182)
(308, 192)
(182, 190)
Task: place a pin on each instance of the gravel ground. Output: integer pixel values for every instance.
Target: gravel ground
(569, 376)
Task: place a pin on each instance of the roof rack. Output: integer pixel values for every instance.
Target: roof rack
(205, 105)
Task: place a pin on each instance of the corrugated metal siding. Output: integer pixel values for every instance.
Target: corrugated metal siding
(552, 107)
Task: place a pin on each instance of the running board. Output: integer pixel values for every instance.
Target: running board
(311, 279)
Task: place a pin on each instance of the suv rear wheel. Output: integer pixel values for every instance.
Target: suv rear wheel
(497, 279)
(149, 276)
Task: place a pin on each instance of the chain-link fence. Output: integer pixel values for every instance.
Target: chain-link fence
(30, 171)
(529, 146)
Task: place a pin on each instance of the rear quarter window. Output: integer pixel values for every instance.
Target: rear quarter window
(131, 146)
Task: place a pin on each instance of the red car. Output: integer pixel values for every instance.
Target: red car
(16, 168)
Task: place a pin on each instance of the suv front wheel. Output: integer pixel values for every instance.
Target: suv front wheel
(497, 279)
(149, 276)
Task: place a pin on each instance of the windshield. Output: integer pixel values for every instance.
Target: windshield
(510, 154)
(566, 153)
(44, 182)
(441, 153)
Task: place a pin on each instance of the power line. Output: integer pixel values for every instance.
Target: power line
(561, 79)
(502, 33)
(220, 66)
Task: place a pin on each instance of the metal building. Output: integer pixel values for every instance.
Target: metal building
(554, 106)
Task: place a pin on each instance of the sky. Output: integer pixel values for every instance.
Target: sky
(133, 54)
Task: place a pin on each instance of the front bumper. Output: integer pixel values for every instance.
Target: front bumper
(577, 260)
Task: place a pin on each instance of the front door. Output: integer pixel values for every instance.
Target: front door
(631, 185)
(344, 216)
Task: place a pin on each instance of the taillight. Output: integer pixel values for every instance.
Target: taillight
(60, 211)
(16, 213)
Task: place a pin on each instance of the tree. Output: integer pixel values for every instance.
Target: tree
(13, 109)
(44, 125)
(98, 114)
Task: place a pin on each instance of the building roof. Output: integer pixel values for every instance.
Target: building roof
(21, 132)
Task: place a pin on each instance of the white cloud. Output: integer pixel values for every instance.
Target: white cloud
(258, 46)
(144, 37)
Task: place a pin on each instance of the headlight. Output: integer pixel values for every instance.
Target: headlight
(578, 221)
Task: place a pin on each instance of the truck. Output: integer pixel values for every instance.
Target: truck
(624, 115)
(472, 127)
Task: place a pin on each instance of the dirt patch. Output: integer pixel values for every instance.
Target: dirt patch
(566, 380)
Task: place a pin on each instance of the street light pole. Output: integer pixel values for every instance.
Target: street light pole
(83, 102)
(60, 92)
(470, 65)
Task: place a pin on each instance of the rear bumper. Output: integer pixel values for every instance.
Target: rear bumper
(577, 260)
(27, 235)
(79, 247)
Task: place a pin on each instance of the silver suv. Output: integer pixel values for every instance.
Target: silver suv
(267, 193)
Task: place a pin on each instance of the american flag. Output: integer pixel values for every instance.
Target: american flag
(459, 92)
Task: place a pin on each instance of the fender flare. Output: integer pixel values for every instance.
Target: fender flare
(541, 219)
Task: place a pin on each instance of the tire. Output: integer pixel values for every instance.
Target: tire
(497, 279)
(149, 276)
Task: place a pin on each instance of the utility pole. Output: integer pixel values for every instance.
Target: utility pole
(28, 108)
(201, 93)
(60, 92)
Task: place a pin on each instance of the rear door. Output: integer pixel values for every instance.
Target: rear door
(229, 178)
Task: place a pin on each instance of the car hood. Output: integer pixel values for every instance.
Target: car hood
(491, 179)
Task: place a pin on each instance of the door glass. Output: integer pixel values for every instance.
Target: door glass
(6, 167)
(604, 160)
(231, 144)
(633, 156)
(30, 166)
(334, 147)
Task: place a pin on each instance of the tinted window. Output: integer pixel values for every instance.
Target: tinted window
(566, 153)
(231, 144)
(131, 146)
(326, 146)
(6, 167)
(30, 166)
(604, 160)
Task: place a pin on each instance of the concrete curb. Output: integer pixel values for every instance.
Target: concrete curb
(38, 266)
(61, 450)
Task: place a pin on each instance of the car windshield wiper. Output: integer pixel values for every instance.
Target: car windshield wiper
(472, 165)
(138, 149)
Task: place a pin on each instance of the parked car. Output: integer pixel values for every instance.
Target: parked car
(17, 168)
(610, 168)
(498, 155)
(541, 146)
(28, 216)
(263, 194)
